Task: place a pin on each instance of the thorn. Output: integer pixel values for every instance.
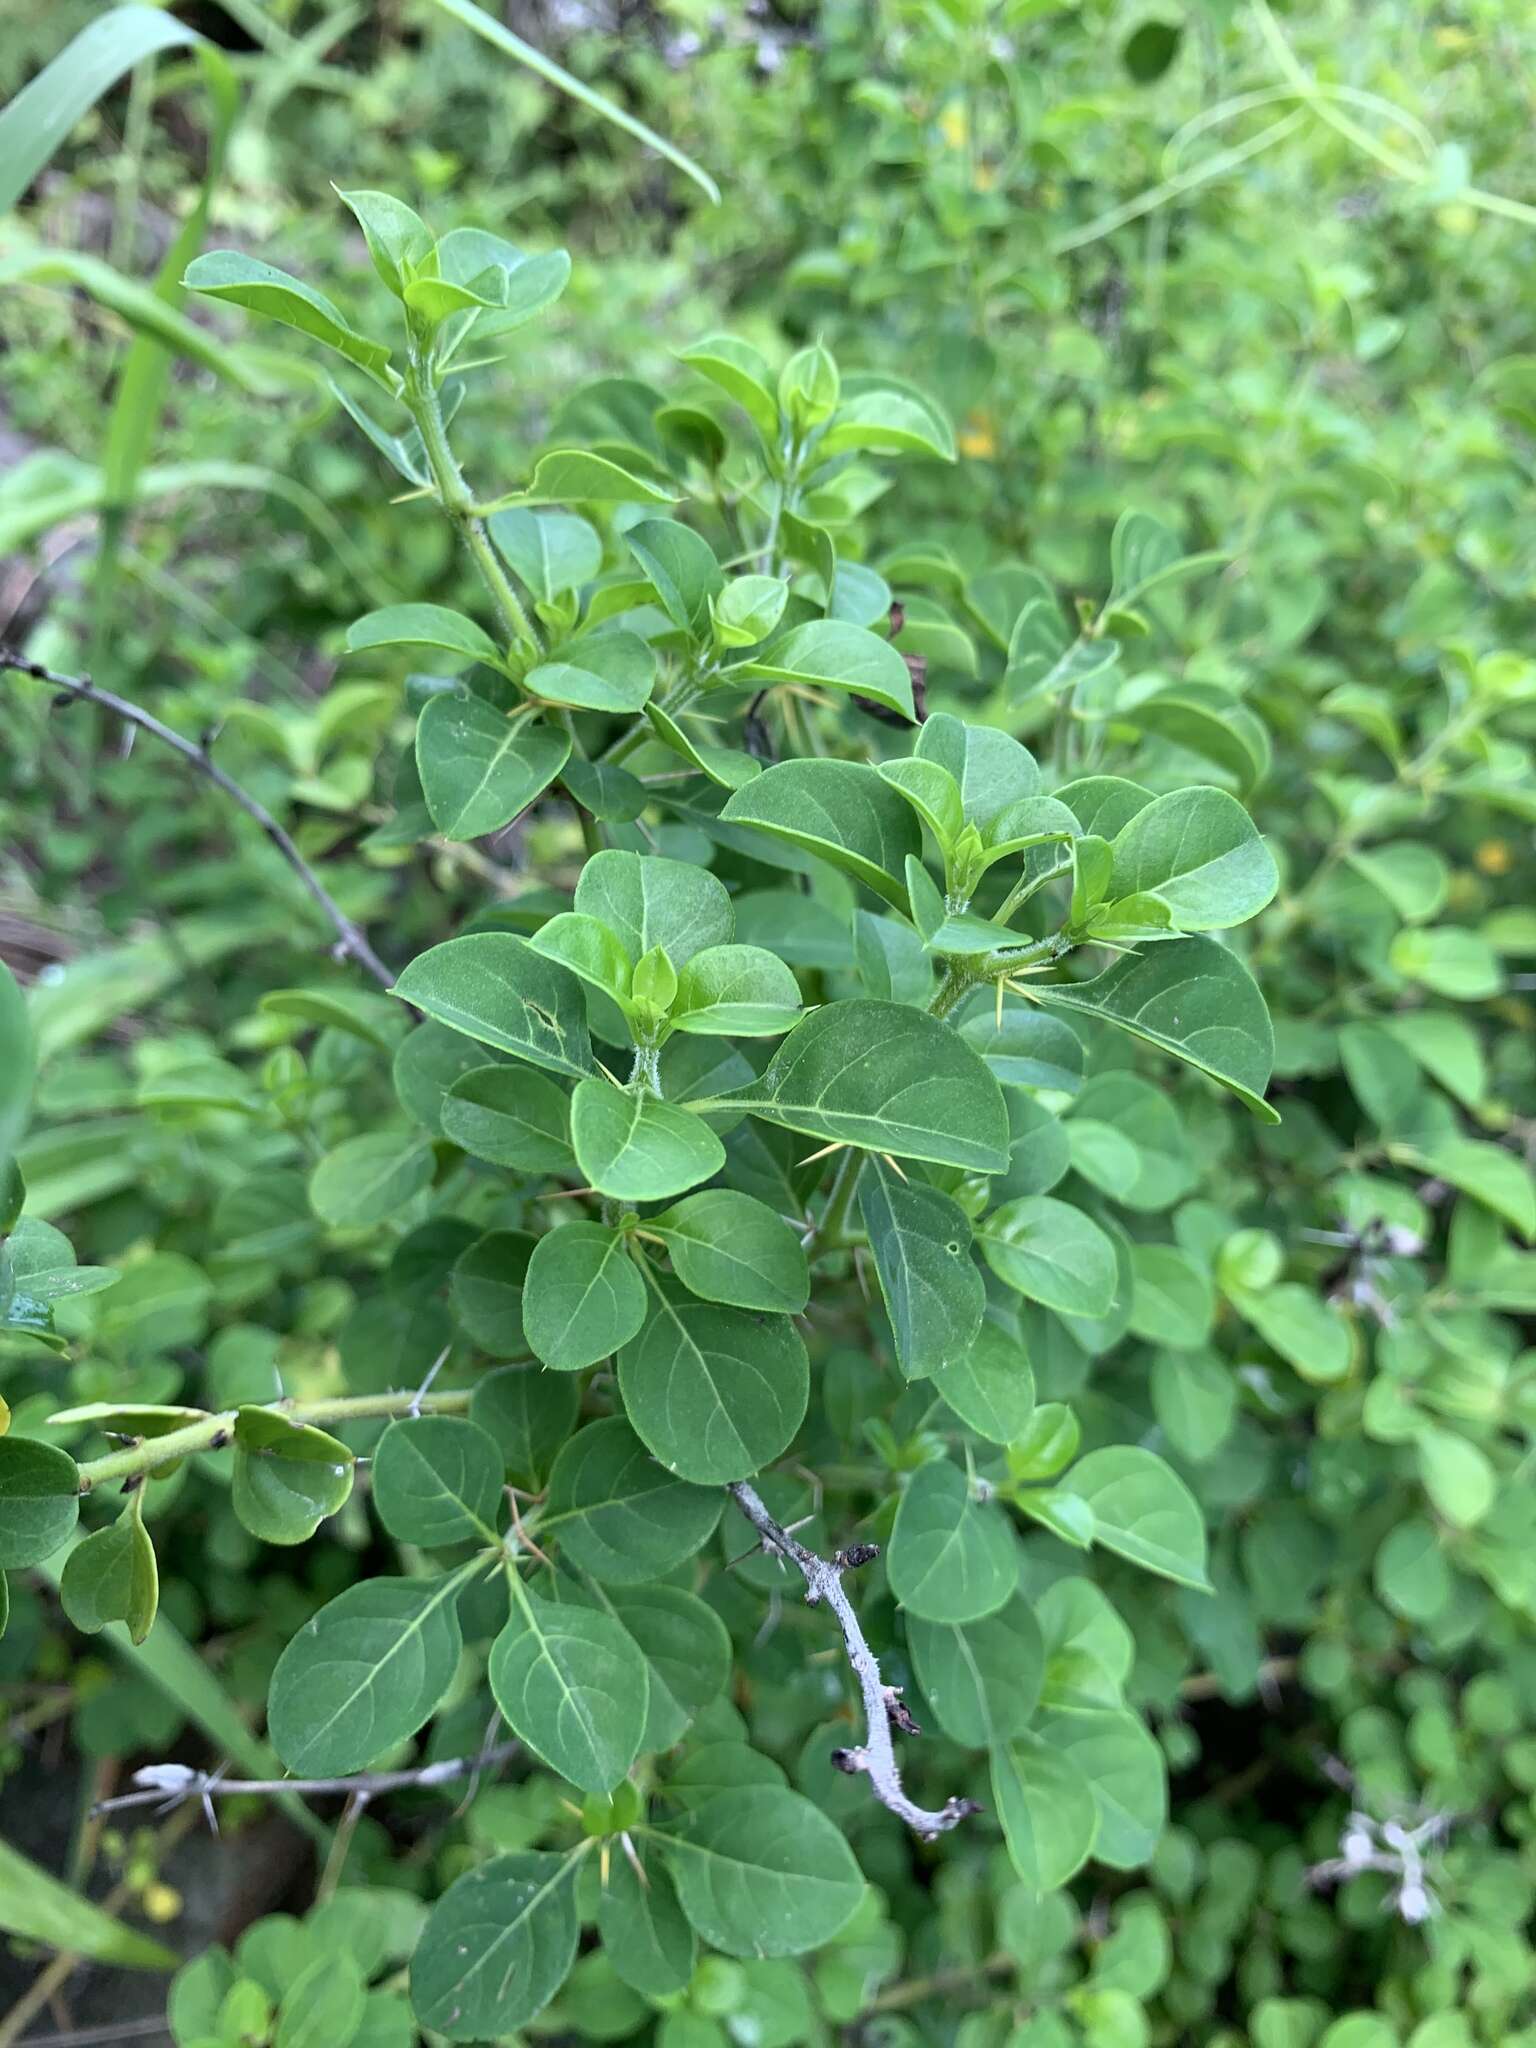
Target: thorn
(432, 1372)
(840, 1145)
(890, 1162)
(626, 1843)
(525, 1541)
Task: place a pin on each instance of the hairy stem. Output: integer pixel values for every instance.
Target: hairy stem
(876, 1755)
(350, 939)
(459, 505)
(828, 1232)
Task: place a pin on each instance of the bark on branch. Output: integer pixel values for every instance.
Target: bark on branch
(351, 941)
(876, 1755)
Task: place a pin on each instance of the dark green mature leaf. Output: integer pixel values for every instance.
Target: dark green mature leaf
(1192, 998)
(1197, 852)
(728, 1247)
(437, 1480)
(530, 1413)
(840, 811)
(365, 1673)
(370, 1179)
(762, 1872)
(921, 1244)
(511, 1117)
(112, 1576)
(288, 1476)
(551, 551)
(889, 1079)
(681, 568)
(637, 1148)
(479, 770)
(39, 1500)
(574, 476)
(1125, 1772)
(687, 1650)
(1143, 1510)
(1049, 1816)
(493, 987)
(950, 1558)
(647, 900)
(608, 670)
(617, 1514)
(497, 1946)
(830, 654)
(1051, 1252)
(1026, 1050)
(572, 1684)
(981, 1678)
(644, 1931)
(990, 1386)
(743, 374)
(582, 1296)
(486, 1291)
(716, 1393)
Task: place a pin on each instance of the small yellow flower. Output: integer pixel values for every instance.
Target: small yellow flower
(1495, 857)
(161, 1902)
(978, 437)
(953, 126)
(985, 179)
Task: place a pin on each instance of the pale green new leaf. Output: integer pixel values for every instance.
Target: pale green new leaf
(1144, 1511)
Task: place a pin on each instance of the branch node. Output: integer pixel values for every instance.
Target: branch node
(856, 1554)
(899, 1712)
(876, 1756)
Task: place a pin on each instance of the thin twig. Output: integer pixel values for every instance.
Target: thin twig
(351, 940)
(171, 1784)
(877, 1755)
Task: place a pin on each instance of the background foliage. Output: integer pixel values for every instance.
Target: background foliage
(1223, 293)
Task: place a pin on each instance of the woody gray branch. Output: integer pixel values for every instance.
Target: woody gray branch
(168, 1785)
(876, 1756)
(351, 939)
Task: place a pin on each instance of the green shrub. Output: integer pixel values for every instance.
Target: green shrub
(769, 1248)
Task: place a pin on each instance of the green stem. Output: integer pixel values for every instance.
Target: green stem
(829, 1231)
(458, 503)
(211, 1431)
(1021, 892)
